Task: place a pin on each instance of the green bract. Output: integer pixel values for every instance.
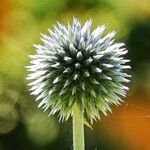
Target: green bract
(77, 65)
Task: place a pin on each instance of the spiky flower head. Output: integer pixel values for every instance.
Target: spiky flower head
(75, 65)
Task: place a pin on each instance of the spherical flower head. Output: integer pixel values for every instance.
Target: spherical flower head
(75, 65)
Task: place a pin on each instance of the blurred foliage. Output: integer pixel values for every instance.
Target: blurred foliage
(139, 42)
(22, 125)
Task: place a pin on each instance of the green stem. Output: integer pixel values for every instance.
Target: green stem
(78, 128)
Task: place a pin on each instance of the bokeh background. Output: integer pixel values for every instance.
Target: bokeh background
(22, 125)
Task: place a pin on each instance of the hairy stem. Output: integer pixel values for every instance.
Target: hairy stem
(78, 128)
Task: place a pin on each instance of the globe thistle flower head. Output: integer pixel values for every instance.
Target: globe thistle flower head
(77, 65)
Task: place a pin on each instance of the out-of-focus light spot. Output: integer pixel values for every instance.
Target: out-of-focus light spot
(8, 118)
(41, 129)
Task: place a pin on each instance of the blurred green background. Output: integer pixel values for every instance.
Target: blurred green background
(22, 125)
